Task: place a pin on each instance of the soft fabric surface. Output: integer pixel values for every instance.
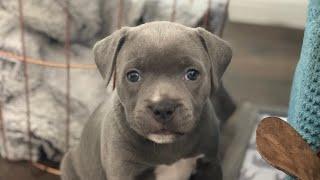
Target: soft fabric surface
(304, 109)
(44, 36)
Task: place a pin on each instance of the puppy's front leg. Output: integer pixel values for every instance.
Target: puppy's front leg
(128, 171)
(122, 176)
(207, 170)
(127, 176)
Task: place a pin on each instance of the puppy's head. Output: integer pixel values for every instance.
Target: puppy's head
(165, 72)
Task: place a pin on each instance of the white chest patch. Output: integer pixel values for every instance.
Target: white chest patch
(180, 170)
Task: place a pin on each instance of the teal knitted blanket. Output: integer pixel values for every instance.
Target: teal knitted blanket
(304, 107)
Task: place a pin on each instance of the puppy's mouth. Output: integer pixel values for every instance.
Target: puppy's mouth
(164, 136)
(167, 132)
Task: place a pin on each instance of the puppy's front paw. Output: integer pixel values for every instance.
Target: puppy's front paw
(206, 170)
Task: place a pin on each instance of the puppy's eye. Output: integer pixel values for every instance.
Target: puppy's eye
(192, 75)
(133, 76)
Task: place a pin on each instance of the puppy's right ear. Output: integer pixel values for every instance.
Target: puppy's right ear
(106, 51)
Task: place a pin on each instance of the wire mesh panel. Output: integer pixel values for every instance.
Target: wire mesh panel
(67, 56)
(2, 123)
(26, 76)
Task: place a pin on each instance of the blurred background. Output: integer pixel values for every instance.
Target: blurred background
(42, 118)
(267, 38)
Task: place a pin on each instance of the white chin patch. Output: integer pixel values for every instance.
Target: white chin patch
(162, 138)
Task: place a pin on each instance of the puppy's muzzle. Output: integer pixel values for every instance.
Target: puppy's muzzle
(164, 110)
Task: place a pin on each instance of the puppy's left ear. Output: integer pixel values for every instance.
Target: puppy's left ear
(220, 54)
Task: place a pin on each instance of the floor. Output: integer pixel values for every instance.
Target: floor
(261, 72)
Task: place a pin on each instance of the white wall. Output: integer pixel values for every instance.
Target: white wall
(288, 13)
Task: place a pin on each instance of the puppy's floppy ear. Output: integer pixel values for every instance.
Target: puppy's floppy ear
(106, 51)
(220, 54)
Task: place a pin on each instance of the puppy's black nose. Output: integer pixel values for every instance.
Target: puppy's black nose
(163, 110)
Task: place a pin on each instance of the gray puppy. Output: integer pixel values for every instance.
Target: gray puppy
(166, 76)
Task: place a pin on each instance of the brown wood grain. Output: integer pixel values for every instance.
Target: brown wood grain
(282, 147)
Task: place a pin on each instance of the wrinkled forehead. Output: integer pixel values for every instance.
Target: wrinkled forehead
(163, 46)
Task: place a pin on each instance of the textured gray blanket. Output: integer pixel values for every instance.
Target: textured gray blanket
(44, 37)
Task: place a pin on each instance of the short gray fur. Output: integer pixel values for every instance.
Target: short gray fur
(115, 143)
